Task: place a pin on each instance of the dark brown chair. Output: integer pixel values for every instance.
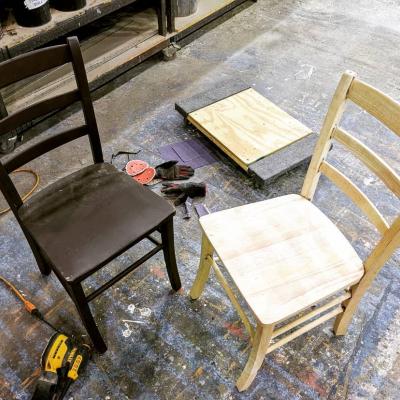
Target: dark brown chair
(78, 224)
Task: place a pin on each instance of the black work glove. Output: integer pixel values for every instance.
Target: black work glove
(190, 189)
(171, 172)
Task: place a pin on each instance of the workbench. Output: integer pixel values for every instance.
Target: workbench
(133, 36)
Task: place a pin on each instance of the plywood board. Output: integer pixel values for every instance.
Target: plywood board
(248, 127)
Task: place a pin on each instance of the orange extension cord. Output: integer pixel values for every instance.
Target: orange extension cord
(30, 307)
(27, 195)
(27, 304)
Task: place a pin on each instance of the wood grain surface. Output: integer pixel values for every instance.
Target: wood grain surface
(284, 255)
(248, 127)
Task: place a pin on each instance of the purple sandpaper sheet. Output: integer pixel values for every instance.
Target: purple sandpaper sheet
(195, 152)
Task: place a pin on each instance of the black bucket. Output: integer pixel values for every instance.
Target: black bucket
(31, 13)
(68, 5)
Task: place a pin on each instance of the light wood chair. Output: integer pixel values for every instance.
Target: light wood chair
(285, 256)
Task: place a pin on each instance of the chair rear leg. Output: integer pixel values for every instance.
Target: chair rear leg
(79, 298)
(167, 237)
(261, 342)
(204, 268)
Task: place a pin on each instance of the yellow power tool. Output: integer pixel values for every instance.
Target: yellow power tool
(62, 361)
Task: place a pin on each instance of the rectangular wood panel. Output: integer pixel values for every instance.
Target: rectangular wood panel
(248, 127)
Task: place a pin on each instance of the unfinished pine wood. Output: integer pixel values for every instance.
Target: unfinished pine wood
(338, 300)
(384, 249)
(232, 297)
(376, 103)
(375, 163)
(257, 354)
(283, 254)
(356, 195)
(332, 117)
(305, 328)
(387, 111)
(248, 127)
(203, 272)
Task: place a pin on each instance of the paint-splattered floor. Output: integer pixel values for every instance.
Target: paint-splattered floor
(161, 345)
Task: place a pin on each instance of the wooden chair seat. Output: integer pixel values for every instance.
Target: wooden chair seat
(284, 255)
(84, 220)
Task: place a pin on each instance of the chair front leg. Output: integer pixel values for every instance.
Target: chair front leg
(167, 237)
(204, 268)
(343, 320)
(79, 298)
(40, 260)
(259, 349)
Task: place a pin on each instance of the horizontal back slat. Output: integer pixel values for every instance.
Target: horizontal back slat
(43, 146)
(356, 195)
(28, 114)
(375, 163)
(33, 63)
(376, 103)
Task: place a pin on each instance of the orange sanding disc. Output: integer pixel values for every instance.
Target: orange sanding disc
(136, 167)
(146, 176)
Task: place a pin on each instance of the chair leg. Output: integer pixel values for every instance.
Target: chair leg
(167, 237)
(342, 321)
(204, 268)
(79, 298)
(261, 342)
(41, 262)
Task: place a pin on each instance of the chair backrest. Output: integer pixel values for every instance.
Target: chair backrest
(30, 64)
(387, 111)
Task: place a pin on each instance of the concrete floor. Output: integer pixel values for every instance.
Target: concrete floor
(161, 345)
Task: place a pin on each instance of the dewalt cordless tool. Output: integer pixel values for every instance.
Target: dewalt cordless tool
(62, 360)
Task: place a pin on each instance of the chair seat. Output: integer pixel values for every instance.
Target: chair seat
(87, 218)
(284, 255)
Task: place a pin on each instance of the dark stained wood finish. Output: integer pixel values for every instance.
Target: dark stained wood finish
(87, 104)
(167, 236)
(43, 146)
(78, 297)
(40, 60)
(89, 212)
(36, 110)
